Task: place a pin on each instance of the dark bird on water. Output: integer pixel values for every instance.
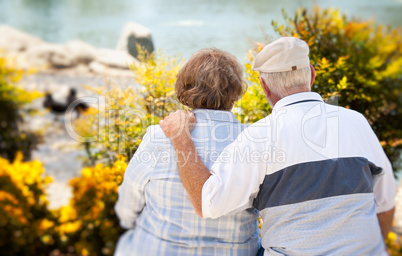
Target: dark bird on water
(59, 108)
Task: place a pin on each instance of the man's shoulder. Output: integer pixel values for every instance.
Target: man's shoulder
(352, 115)
(258, 130)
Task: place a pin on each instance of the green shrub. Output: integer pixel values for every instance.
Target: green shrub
(358, 65)
(12, 99)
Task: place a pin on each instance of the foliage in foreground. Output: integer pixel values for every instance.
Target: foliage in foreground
(12, 99)
(87, 226)
(26, 225)
(94, 197)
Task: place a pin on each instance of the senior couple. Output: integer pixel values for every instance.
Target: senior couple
(199, 181)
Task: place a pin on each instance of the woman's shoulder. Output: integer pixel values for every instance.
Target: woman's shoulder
(155, 135)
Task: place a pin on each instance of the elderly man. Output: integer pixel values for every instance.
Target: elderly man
(316, 172)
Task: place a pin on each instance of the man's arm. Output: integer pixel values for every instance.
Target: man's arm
(192, 170)
(384, 185)
(385, 220)
(232, 182)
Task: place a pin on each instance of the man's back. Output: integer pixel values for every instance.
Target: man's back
(319, 200)
(312, 172)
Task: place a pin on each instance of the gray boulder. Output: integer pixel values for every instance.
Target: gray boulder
(101, 69)
(59, 55)
(49, 55)
(13, 40)
(80, 51)
(133, 34)
(114, 58)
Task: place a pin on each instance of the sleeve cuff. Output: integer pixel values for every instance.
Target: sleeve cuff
(385, 207)
(206, 202)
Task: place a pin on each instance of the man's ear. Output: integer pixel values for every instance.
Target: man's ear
(312, 75)
(265, 87)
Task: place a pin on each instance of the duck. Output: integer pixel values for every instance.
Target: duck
(58, 108)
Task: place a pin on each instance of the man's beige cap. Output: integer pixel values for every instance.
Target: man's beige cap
(284, 54)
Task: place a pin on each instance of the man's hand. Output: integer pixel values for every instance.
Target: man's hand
(178, 125)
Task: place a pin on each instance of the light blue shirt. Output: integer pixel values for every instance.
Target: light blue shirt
(155, 207)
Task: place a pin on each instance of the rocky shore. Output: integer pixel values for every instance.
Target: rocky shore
(32, 52)
(57, 69)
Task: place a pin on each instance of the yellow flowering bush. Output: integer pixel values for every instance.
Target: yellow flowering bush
(26, 225)
(394, 244)
(12, 101)
(117, 129)
(89, 222)
(253, 106)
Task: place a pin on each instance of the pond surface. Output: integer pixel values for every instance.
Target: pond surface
(177, 25)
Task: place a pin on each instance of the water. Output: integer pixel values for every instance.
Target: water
(178, 26)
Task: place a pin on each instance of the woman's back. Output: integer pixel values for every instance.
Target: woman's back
(168, 224)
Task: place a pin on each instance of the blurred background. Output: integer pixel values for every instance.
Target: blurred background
(60, 170)
(177, 26)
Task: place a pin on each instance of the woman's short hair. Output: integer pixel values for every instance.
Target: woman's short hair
(210, 79)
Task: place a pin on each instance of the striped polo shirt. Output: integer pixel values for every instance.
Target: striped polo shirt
(316, 172)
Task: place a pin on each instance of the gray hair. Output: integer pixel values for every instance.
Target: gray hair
(289, 82)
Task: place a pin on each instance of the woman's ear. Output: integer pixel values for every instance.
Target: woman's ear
(312, 75)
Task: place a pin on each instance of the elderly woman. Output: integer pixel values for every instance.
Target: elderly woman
(153, 203)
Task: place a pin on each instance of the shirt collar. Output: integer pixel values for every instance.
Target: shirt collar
(216, 115)
(294, 98)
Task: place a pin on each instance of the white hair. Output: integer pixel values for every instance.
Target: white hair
(286, 83)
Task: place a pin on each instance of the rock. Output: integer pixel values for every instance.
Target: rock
(80, 51)
(13, 40)
(49, 55)
(133, 34)
(32, 52)
(101, 69)
(114, 58)
(97, 67)
(58, 55)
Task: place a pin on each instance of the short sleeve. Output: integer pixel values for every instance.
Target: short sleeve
(236, 175)
(384, 188)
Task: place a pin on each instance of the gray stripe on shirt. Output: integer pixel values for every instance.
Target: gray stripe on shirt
(316, 180)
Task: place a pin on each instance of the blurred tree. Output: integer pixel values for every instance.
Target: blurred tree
(12, 99)
(358, 65)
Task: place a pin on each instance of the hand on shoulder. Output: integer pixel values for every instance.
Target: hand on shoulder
(178, 125)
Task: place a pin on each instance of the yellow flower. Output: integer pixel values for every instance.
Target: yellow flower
(69, 227)
(84, 252)
(392, 236)
(45, 224)
(47, 239)
(7, 196)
